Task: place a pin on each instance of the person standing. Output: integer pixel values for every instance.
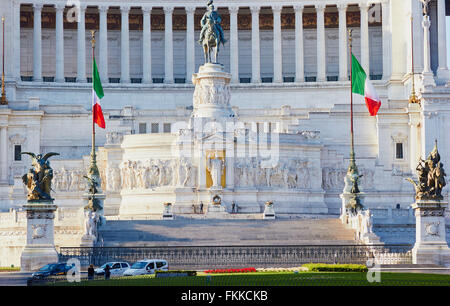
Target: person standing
(91, 272)
(233, 207)
(201, 207)
(107, 272)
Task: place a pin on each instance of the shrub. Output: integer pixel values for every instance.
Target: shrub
(189, 273)
(243, 270)
(319, 267)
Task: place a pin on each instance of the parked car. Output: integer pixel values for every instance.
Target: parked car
(147, 266)
(117, 268)
(52, 269)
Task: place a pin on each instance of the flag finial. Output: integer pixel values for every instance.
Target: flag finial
(93, 38)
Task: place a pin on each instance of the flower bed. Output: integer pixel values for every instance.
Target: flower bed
(243, 270)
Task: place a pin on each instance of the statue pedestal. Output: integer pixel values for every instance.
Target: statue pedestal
(88, 241)
(431, 245)
(167, 212)
(40, 249)
(216, 208)
(269, 212)
(212, 92)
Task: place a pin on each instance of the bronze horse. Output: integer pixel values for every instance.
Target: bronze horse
(210, 41)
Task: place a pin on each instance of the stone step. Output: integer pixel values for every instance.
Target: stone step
(196, 231)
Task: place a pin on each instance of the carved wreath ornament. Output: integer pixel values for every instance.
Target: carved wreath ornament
(432, 229)
(38, 231)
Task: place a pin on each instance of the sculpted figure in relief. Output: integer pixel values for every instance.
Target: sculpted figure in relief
(215, 166)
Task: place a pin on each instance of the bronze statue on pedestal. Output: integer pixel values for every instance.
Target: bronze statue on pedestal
(39, 179)
(431, 177)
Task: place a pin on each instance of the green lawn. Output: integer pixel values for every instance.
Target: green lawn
(275, 279)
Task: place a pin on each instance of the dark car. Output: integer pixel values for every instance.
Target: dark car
(51, 270)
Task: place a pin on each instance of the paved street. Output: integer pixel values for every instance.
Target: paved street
(14, 278)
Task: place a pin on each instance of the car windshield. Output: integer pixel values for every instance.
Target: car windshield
(139, 265)
(110, 264)
(48, 267)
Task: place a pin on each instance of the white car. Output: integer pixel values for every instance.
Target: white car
(147, 266)
(116, 268)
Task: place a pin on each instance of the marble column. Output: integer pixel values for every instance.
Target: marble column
(365, 59)
(168, 43)
(103, 46)
(16, 40)
(427, 74)
(256, 62)
(190, 43)
(299, 53)
(125, 46)
(37, 43)
(59, 48)
(321, 59)
(386, 37)
(442, 72)
(277, 45)
(147, 46)
(234, 44)
(3, 155)
(343, 40)
(81, 45)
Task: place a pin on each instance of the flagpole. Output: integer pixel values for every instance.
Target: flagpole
(93, 168)
(3, 98)
(413, 97)
(352, 148)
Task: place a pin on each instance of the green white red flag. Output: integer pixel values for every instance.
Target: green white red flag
(97, 94)
(361, 85)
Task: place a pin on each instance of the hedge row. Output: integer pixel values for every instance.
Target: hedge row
(335, 267)
(189, 273)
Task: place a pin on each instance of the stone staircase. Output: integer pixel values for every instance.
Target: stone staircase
(187, 231)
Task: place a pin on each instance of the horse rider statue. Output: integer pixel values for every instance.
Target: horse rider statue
(212, 33)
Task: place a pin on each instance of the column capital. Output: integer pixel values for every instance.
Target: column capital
(276, 9)
(38, 6)
(298, 8)
(342, 6)
(125, 9)
(146, 9)
(364, 6)
(320, 7)
(190, 10)
(255, 9)
(59, 7)
(168, 10)
(233, 9)
(103, 8)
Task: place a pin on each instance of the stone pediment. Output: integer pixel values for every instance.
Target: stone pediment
(217, 137)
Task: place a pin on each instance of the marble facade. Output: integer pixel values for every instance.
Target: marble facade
(313, 113)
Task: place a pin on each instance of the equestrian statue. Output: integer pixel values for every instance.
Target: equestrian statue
(212, 34)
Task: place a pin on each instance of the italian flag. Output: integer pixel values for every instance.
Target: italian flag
(363, 86)
(97, 94)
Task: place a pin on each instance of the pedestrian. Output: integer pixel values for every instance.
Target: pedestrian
(233, 206)
(91, 272)
(193, 208)
(107, 272)
(201, 207)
